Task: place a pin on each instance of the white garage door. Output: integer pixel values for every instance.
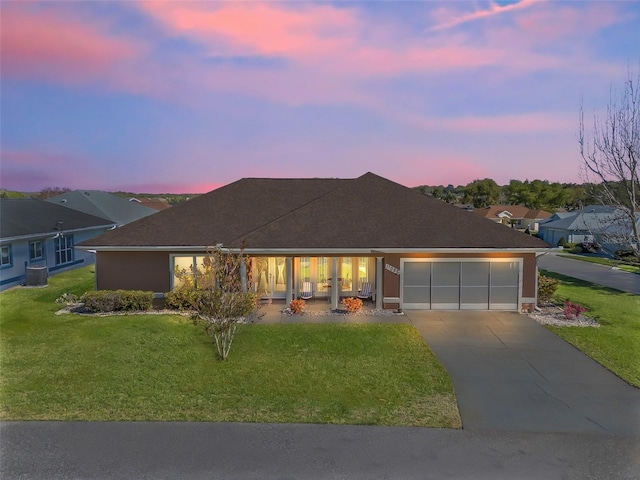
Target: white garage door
(464, 285)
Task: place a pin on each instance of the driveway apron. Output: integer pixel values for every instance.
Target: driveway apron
(512, 374)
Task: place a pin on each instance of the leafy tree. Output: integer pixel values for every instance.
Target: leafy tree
(482, 193)
(610, 151)
(219, 299)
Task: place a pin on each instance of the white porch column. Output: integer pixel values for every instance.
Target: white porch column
(243, 274)
(289, 276)
(335, 294)
(379, 273)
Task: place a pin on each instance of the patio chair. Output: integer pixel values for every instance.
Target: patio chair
(366, 293)
(306, 292)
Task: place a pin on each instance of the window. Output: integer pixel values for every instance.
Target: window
(192, 271)
(6, 259)
(36, 251)
(64, 250)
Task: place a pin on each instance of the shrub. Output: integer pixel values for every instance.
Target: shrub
(547, 287)
(68, 299)
(562, 242)
(573, 310)
(182, 298)
(352, 305)
(117, 300)
(297, 306)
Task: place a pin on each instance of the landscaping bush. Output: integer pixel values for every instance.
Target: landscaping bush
(117, 300)
(573, 310)
(352, 305)
(547, 287)
(297, 306)
(183, 298)
(562, 242)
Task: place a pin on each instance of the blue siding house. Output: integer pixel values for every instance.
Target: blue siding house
(37, 234)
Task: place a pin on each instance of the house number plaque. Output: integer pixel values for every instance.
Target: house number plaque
(392, 269)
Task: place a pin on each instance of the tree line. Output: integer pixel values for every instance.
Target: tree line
(535, 194)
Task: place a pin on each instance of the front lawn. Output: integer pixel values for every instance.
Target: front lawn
(616, 343)
(162, 367)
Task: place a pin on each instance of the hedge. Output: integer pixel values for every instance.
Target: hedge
(117, 300)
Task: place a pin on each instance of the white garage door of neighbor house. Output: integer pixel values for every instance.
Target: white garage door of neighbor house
(459, 285)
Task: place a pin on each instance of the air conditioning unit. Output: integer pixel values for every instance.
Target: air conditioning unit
(37, 276)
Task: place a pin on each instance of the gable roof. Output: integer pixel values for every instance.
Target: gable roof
(23, 217)
(103, 204)
(369, 212)
(592, 218)
(516, 211)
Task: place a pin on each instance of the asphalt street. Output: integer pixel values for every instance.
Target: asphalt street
(591, 272)
(107, 450)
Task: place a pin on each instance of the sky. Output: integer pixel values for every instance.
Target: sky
(184, 97)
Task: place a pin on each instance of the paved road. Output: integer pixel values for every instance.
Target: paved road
(512, 374)
(175, 450)
(591, 272)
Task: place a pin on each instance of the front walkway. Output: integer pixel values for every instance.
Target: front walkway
(509, 372)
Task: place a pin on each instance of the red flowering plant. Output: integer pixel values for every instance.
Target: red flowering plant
(573, 310)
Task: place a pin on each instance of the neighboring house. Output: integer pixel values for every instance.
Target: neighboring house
(516, 216)
(156, 203)
(418, 252)
(593, 223)
(104, 205)
(36, 234)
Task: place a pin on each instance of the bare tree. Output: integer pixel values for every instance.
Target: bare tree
(49, 192)
(610, 151)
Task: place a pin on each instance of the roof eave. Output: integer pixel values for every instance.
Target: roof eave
(316, 251)
(53, 233)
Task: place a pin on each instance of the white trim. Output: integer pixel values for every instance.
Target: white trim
(320, 252)
(46, 235)
(391, 300)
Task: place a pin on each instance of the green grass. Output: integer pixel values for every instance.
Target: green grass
(604, 261)
(616, 343)
(162, 367)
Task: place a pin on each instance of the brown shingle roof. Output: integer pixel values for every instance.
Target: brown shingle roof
(365, 212)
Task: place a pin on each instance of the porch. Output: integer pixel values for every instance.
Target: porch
(331, 279)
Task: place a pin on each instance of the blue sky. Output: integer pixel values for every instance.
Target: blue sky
(187, 96)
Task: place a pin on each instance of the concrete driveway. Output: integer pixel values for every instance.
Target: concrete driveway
(512, 374)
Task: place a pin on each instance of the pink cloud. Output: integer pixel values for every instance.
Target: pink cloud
(164, 187)
(33, 170)
(549, 24)
(257, 28)
(50, 45)
(501, 124)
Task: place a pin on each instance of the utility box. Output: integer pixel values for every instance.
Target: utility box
(37, 276)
